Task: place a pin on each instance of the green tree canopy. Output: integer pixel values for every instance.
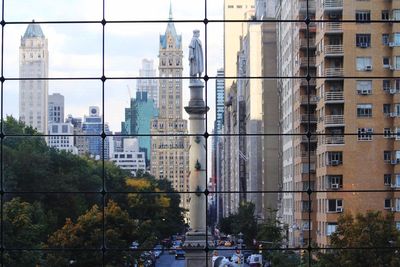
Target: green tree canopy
(369, 231)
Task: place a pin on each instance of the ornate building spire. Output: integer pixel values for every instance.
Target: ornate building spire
(170, 10)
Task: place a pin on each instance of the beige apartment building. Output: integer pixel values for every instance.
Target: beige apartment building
(359, 105)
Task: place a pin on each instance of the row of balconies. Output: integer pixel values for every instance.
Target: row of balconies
(332, 5)
(327, 120)
(304, 61)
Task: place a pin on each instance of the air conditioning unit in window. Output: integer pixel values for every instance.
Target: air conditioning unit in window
(393, 114)
(335, 186)
(393, 186)
(368, 68)
(334, 162)
(393, 91)
(392, 44)
(339, 209)
(364, 92)
(393, 209)
(394, 161)
(391, 67)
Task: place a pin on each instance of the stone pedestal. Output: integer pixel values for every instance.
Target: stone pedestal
(194, 247)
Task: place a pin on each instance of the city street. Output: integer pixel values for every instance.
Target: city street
(168, 260)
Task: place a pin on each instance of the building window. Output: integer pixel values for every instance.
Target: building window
(387, 109)
(334, 158)
(387, 179)
(396, 14)
(385, 15)
(397, 63)
(365, 134)
(364, 87)
(364, 63)
(387, 156)
(364, 110)
(331, 228)
(396, 40)
(388, 203)
(386, 62)
(64, 128)
(363, 40)
(386, 85)
(363, 16)
(385, 39)
(335, 205)
(334, 181)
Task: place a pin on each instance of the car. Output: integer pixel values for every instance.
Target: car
(255, 260)
(134, 245)
(246, 256)
(176, 245)
(179, 254)
(158, 250)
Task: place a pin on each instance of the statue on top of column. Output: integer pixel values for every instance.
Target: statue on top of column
(196, 55)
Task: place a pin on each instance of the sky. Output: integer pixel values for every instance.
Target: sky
(75, 49)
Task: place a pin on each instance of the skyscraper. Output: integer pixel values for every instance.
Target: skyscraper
(33, 63)
(56, 108)
(148, 85)
(233, 10)
(137, 120)
(93, 125)
(169, 150)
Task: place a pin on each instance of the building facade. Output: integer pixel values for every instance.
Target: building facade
(130, 158)
(148, 85)
(56, 108)
(137, 120)
(61, 137)
(169, 145)
(217, 144)
(297, 114)
(233, 10)
(360, 105)
(34, 63)
(80, 141)
(93, 125)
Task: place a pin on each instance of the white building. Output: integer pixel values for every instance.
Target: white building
(130, 158)
(148, 85)
(33, 63)
(61, 137)
(56, 108)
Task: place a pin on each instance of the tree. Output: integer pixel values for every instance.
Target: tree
(243, 222)
(24, 227)
(370, 230)
(87, 233)
(271, 235)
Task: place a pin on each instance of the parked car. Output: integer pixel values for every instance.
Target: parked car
(158, 250)
(179, 254)
(255, 260)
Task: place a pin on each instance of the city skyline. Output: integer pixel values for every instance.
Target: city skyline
(122, 58)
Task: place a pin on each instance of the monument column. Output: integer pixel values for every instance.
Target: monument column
(196, 238)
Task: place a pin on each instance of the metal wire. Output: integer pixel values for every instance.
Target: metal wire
(103, 193)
